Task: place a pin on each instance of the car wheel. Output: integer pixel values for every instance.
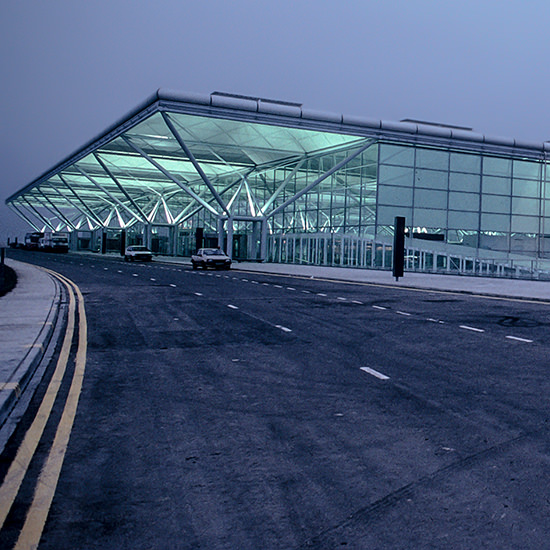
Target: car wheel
(194, 265)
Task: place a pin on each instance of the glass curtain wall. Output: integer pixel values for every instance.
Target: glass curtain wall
(478, 201)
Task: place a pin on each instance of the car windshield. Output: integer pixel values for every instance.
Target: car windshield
(140, 248)
(214, 252)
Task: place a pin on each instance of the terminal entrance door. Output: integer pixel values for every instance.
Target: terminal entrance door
(247, 239)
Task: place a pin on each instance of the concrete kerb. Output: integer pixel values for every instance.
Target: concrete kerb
(490, 287)
(28, 316)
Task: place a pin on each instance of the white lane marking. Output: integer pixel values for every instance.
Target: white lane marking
(379, 307)
(231, 306)
(320, 294)
(106, 268)
(265, 284)
(135, 275)
(277, 286)
(403, 313)
(436, 321)
(198, 294)
(290, 288)
(153, 279)
(520, 339)
(357, 302)
(342, 299)
(119, 271)
(473, 329)
(306, 291)
(375, 373)
(173, 286)
(255, 282)
(284, 329)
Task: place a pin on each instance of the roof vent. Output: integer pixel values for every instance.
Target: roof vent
(258, 99)
(438, 124)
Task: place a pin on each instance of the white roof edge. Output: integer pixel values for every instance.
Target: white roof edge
(294, 111)
(284, 110)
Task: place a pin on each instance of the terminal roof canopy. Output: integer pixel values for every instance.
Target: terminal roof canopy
(179, 154)
(164, 164)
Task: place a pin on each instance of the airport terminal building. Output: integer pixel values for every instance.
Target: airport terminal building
(273, 181)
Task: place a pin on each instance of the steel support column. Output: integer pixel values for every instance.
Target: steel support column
(194, 161)
(108, 193)
(186, 188)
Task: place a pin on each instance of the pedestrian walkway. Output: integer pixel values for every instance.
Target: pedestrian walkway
(27, 320)
(483, 286)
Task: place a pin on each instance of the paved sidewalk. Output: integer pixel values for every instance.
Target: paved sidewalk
(484, 286)
(27, 320)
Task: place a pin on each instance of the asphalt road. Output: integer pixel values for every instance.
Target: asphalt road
(229, 410)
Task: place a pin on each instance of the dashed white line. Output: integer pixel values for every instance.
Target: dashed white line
(435, 321)
(375, 373)
(306, 291)
(321, 294)
(520, 339)
(284, 329)
(379, 307)
(198, 294)
(473, 329)
(231, 306)
(357, 302)
(403, 313)
(277, 286)
(152, 279)
(173, 286)
(290, 288)
(135, 275)
(342, 299)
(255, 282)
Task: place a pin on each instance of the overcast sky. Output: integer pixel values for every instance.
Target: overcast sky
(69, 68)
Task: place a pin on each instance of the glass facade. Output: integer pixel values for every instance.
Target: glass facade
(276, 189)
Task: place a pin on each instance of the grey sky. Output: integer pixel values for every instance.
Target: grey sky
(69, 68)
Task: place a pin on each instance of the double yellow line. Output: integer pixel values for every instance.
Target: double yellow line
(37, 514)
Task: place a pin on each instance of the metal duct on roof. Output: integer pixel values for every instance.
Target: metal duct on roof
(321, 116)
(495, 140)
(187, 97)
(272, 108)
(230, 102)
(399, 127)
(526, 144)
(466, 135)
(436, 131)
(360, 121)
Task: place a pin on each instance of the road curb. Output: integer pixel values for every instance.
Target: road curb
(15, 386)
